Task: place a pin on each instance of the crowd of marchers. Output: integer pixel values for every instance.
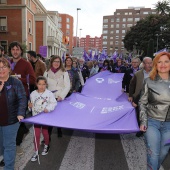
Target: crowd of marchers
(36, 84)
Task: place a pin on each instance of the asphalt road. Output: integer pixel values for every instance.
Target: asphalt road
(78, 150)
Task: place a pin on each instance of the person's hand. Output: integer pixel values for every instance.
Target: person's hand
(134, 104)
(45, 110)
(130, 99)
(30, 105)
(143, 128)
(59, 99)
(123, 90)
(20, 118)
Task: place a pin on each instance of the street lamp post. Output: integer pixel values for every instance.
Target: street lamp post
(77, 24)
(157, 42)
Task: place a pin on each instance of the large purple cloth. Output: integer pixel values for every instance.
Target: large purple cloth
(101, 107)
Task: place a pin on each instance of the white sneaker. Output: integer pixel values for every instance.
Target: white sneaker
(45, 150)
(34, 157)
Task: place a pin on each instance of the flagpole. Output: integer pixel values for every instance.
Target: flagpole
(77, 24)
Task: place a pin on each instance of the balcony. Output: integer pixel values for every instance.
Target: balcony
(51, 40)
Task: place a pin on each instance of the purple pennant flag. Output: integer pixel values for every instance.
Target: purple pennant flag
(167, 142)
(103, 109)
(114, 56)
(85, 56)
(63, 57)
(90, 55)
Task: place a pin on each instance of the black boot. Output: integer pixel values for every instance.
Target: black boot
(139, 134)
(59, 132)
(2, 163)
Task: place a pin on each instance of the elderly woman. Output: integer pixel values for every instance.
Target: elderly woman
(58, 82)
(13, 104)
(155, 111)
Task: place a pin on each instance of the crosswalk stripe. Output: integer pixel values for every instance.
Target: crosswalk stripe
(80, 152)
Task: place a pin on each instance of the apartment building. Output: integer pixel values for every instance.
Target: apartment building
(66, 25)
(28, 22)
(89, 43)
(115, 27)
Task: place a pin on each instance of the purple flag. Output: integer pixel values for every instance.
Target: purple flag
(114, 56)
(85, 56)
(101, 107)
(90, 55)
(63, 57)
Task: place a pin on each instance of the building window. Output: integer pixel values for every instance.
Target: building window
(112, 20)
(130, 19)
(29, 3)
(59, 19)
(118, 13)
(30, 46)
(122, 43)
(111, 38)
(104, 42)
(124, 19)
(105, 26)
(67, 32)
(116, 42)
(29, 27)
(104, 37)
(126, 13)
(3, 24)
(145, 12)
(153, 12)
(117, 31)
(60, 25)
(117, 19)
(105, 31)
(105, 21)
(116, 48)
(68, 26)
(137, 19)
(117, 25)
(111, 42)
(123, 31)
(111, 32)
(130, 13)
(129, 25)
(68, 19)
(123, 25)
(117, 37)
(4, 44)
(111, 26)
(2, 1)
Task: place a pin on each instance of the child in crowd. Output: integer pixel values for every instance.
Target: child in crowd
(41, 100)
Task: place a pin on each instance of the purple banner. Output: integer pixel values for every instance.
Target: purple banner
(101, 107)
(43, 51)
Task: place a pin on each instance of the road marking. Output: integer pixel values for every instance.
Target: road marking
(135, 151)
(80, 152)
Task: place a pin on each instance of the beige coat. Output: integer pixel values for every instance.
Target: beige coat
(58, 83)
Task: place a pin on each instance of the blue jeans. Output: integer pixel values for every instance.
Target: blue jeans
(8, 144)
(156, 135)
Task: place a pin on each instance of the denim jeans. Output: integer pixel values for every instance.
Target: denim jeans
(156, 136)
(8, 144)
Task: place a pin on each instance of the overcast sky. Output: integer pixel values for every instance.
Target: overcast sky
(90, 17)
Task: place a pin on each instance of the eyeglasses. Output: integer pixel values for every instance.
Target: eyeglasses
(56, 61)
(3, 68)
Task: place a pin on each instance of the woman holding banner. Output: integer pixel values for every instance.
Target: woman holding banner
(13, 104)
(155, 111)
(58, 82)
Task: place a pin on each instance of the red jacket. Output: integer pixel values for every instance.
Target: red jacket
(24, 69)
